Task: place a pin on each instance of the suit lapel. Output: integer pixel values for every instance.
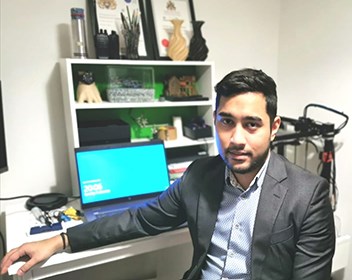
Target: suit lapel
(208, 204)
(270, 201)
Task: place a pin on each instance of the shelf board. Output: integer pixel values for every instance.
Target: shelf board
(156, 104)
(183, 142)
(137, 62)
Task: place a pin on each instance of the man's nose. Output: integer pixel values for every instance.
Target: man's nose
(238, 136)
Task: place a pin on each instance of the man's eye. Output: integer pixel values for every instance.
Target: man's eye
(252, 125)
(226, 121)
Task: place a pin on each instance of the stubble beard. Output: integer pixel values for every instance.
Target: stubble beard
(255, 163)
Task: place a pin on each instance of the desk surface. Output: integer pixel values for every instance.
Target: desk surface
(17, 216)
(19, 220)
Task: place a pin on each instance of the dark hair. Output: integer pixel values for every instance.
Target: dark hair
(249, 80)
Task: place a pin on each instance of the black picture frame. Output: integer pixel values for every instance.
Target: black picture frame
(158, 17)
(148, 49)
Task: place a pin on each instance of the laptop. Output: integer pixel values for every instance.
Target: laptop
(113, 177)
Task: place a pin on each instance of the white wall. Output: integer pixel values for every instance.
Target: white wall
(35, 35)
(315, 66)
(33, 38)
(241, 34)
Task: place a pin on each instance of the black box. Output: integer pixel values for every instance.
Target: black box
(103, 132)
(197, 132)
(183, 154)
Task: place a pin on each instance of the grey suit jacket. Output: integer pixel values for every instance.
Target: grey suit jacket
(294, 234)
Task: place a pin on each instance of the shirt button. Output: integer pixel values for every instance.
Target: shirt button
(231, 253)
(237, 226)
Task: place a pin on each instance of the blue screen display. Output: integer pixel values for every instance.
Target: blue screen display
(121, 172)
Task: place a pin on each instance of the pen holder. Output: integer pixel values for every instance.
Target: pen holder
(131, 43)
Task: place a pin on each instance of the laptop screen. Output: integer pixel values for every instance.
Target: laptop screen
(121, 172)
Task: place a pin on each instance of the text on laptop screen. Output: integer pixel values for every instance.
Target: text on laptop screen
(119, 172)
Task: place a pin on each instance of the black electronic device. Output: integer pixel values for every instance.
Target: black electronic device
(102, 44)
(197, 129)
(183, 154)
(100, 132)
(306, 128)
(47, 201)
(3, 155)
(114, 45)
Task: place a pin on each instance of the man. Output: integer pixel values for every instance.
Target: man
(250, 212)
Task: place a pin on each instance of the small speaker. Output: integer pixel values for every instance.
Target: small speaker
(47, 201)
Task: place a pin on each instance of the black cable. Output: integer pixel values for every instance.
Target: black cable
(328, 171)
(335, 189)
(45, 201)
(3, 244)
(15, 197)
(30, 196)
(341, 126)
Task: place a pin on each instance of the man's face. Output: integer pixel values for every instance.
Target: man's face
(244, 132)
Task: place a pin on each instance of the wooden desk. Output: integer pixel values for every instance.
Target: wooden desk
(19, 220)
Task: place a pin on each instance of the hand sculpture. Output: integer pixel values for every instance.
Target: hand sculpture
(88, 93)
(87, 90)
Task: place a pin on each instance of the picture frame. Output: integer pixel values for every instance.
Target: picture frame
(106, 15)
(159, 14)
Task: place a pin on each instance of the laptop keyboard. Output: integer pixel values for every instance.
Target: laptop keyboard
(109, 213)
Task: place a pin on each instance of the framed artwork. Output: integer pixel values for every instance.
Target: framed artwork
(107, 15)
(160, 13)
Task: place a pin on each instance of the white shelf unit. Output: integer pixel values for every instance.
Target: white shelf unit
(75, 112)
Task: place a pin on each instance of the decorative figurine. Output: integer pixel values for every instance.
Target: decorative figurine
(181, 87)
(177, 49)
(198, 49)
(87, 90)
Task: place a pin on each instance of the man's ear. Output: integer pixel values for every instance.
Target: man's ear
(275, 127)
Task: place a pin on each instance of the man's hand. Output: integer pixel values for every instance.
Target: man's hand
(33, 252)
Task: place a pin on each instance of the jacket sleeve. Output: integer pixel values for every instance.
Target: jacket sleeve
(155, 216)
(316, 242)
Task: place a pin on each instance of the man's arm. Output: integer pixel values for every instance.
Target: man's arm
(316, 241)
(33, 252)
